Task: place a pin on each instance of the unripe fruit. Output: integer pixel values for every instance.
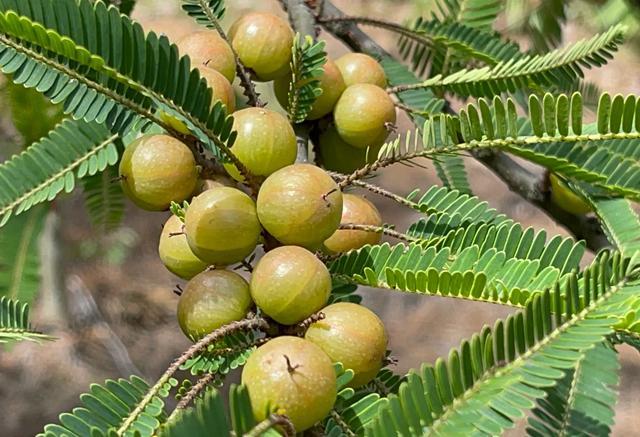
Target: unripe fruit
(210, 300)
(339, 156)
(332, 86)
(265, 143)
(353, 335)
(565, 198)
(208, 48)
(361, 68)
(289, 284)
(362, 113)
(175, 252)
(291, 376)
(221, 225)
(263, 43)
(357, 210)
(300, 204)
(158, 169)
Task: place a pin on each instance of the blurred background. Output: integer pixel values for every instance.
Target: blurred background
(109, 301)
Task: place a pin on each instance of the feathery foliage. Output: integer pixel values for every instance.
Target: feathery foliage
(225, 356)
(14, 322)
(104, 200)
(474, 13)
(307, 61)
(205, 12)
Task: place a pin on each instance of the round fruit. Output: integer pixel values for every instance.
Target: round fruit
(565, 198)
(221, 225)
(353, 335)
(263, 43)
(300, 204)
(291, 376)
(289, 284)
(332, 87)
(210, 300)
(362, 113)
(361, 68)
(175, 252)
(158, 169)
(339, 156)
(208, 48)
(358, 210)
(265, 143)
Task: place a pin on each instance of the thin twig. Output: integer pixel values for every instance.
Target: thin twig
(342, 424)
(380, 230)
(194, 392)
(373, 188)
(270, 422)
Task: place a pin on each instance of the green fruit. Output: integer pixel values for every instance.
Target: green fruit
(354, 336)
(290, 376)
(210, 300)
(362, 113)
(265, 143)
(331, 84)
(356, 210)
(339, 156)
(263, 43)
(206, 47)
(289, 284)
(156, 170)
(175, 252)
(361, 68)
(221, 225)
(565, 198)
(300, 204)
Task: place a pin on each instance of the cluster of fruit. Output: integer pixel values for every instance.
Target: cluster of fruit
(298, 205)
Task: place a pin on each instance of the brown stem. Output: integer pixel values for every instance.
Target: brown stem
(379, 230)
(373, 188)
(270, 422)
(195, 390)
(342, 424)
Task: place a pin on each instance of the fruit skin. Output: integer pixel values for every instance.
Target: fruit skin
(300, 205)
(355, 209)
(332, 86)
(158, 169)
(222, 226)
(361, 68)
(175, 253)
(263, 43)
(306, 392)
(339, 156)
(215, 181)
(208, 48)
(289, 284)
(353, 335)
(361, 114)
(565, 198)
(210, 300)
(265, 143)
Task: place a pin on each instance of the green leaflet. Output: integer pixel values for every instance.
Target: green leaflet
(104, 199)
(14, 322)
(205, 12)
(307, 63)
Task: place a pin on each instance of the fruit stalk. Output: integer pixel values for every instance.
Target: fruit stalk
(380, 230)
(373, 188)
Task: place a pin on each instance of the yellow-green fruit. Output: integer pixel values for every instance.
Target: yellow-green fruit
(353, 335)
(362, 113)
(339, 156)
(332, 87)
(263, 43)
(565, 198)
(361, 68)
(156, 170)
(265, 143)
(206, 47)
(210, 300)
(289, 284)
(222, 226)
(300, 204)
(356, 210)
(291, 376)
(175, 252)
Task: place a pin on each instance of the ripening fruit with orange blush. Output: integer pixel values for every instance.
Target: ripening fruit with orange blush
(263, 43)
(355, 210)
(210, 300)
(291, 376)
(339, 156)
(300, 205)
(362, 115)
(175, 252)
(207, 48)
(361, 68)
(156, 170)
(354, 336)
(331, 84)
(265, 143)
